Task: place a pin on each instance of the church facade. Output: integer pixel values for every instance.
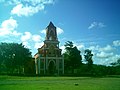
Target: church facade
(48, 59)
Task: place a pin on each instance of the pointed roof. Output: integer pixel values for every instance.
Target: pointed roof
(51, 24)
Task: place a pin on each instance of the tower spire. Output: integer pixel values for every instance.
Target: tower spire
(51, 24)
(51, 33)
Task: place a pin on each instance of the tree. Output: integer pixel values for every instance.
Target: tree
(88, 57)
(72, 56)
(14, 56)
(116, 66)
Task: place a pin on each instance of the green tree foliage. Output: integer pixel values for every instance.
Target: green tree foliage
(88, 57)
(116, 66)
(72, 56)
(14, 56)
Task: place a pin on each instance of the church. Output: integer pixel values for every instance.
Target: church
(48, 59)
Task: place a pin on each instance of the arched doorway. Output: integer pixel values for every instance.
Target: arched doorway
(51, 68)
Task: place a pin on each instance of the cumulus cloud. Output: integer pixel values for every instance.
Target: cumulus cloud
(80, 46)
(10, 24)
(26, 44)
(104, 55)
(59, 31)
(31, 40)
(36, 38)
(63, 48)
(98, 48)
(15, 33)
(114, 58)
(116, 43)
(96, 25)
(94, 47)
(38, 45)
(106, 48)
(33, 2)
(21, 10)
(28, 7)
(43, 31)
(107, 59)
(92, 25)
(8, 27)
(26, 36)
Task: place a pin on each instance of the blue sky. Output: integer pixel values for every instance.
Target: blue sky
(90, 24)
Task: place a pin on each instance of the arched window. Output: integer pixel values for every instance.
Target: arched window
(50, 38)
(51, 35)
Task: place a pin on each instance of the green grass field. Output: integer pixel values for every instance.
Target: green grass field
(58, 83)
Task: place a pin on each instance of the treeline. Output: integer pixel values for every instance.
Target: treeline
(16, 59)
(74, 65)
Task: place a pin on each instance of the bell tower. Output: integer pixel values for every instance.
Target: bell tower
(51, 33)
(49, 60)
(51, 41)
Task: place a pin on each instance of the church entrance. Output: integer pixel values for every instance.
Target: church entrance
(51, 68)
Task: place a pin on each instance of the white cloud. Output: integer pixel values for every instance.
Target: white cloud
(13, 2)
(43, 31)
(94, 47)
(36, 38)
(116, 43)
(96, 25)
(98, 48)
(8, 27)
(32, 2)
(92, 25)
(114, 58)
(104, 55)
(22, 10)
(106, 48)
(59, 31)
(80, 46)
(15, 33)
(4, 31)
(29, 7)
(30, 40)
(10, 24)
(63, 48)
(26, 44)
(107, 61)
(38, 45)
(26, 36)
(101, 25)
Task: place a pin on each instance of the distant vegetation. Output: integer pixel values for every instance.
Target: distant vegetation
(75, 67)
(15, 59)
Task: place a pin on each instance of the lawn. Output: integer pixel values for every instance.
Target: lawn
(59, 83)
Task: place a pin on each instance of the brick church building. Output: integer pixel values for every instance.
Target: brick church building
(48, 59)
